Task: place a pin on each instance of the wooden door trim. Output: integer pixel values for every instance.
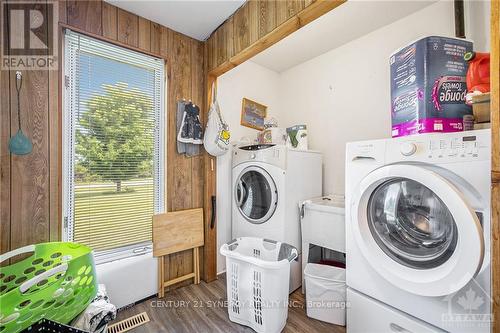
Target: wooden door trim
(495, 173)
(210, 190)
(109, 40)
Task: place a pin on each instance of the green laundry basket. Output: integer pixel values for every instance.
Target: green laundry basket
(57, 281)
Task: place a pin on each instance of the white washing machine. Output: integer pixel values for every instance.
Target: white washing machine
(418, 233)
(269, 182)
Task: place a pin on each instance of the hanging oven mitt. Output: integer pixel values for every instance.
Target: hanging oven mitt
(191, 130)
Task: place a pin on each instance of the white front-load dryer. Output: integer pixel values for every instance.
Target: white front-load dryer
(256, 187)
(418, 233)
(268, 183)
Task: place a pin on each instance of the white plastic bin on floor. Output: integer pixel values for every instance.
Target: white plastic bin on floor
(325, 293)
(258, 274)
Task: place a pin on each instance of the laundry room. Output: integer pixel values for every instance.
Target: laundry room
(250, 166)
(339, 90)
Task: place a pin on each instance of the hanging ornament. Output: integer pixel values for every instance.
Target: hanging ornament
(19, 144)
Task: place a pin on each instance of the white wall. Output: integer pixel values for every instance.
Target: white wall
(260, 85)
(477, 24)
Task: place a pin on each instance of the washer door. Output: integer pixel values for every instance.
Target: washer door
(256, 195)
(416, 229)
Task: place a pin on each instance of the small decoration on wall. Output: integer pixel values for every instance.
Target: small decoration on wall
(253, 114)
(19, 144)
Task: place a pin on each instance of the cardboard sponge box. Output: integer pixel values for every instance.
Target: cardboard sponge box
(428, 86)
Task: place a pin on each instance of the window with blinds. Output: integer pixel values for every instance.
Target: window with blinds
(114, 144)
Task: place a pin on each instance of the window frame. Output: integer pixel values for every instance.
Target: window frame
(68, 146)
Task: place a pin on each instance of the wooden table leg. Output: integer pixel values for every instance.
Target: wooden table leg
(161, 276)
(196, 265)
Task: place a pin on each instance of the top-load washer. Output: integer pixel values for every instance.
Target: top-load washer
(418, 233)
(269, 182)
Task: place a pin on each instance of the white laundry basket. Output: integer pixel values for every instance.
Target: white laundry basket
(258, 274)
(325, 293)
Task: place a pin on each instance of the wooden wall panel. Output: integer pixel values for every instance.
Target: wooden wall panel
(85, 15)
(241, 29)
(228, 29)
(308, 2)
(198, 97)
(495, 254)
(257, 25)
(155, 38)
(253, 21)
(164, 35)
(180, 87)
(144, 34)
(5, 177)
(63, 11)
(54, 142)
(286, 9)
(495, 86)
(128, 28)
(224, 40)
(210, 187)
(212, 51)
(184, 176)
(29, 195)
(267, 17)
(219, 52)
(109, 21)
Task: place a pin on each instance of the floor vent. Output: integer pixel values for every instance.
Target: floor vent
(129, 323)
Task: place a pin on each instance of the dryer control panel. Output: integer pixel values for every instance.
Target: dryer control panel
(441, 147)
(270, 154)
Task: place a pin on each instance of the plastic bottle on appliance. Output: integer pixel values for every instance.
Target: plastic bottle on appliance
(478, 74)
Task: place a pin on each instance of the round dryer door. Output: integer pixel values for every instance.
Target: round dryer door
(417, 230)
(256, 195)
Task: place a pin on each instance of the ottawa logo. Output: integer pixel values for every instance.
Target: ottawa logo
(468, 308)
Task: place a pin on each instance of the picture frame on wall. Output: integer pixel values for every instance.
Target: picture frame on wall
(253, 114)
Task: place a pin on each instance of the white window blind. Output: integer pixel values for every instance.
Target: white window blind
(114, 144)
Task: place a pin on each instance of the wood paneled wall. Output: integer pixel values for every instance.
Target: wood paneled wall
(30, 185)
(495, 167)
(257, 25)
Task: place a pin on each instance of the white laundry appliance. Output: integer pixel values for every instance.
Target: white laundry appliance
(269, 182)
(418, 233)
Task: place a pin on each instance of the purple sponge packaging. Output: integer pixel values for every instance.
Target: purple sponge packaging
(428, 86)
